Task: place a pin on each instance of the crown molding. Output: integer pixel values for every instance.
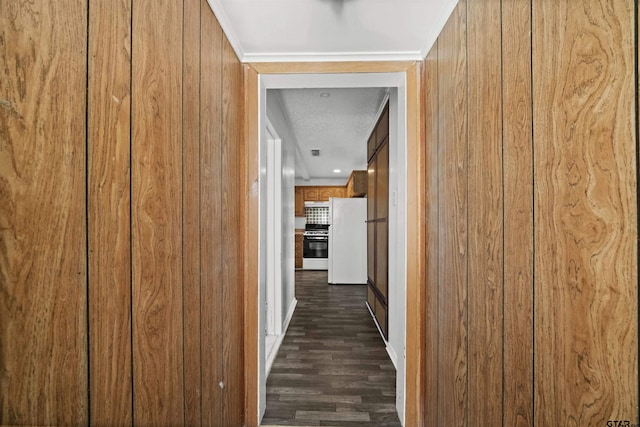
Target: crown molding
(227, 28)
(332, 57)
(248, 57)
(437, 28)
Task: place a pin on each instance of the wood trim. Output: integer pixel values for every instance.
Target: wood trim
(415, 229)
(330, 67)
(251, 221)
(429, 117)
(232, 260)
(414, 367)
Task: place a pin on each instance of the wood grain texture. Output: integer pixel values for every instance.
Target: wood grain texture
(211, 182)
(382, 226)
(371, 252)
(251, 221)
(518, 213)
(485, 211)
(232, 259)
(431, 196)
(382, 181)
(586, 336)
(43, 259)
(452, 158)
(156, 153)
(191, 212)
(382, 259)
(416, 268)
(109, 110)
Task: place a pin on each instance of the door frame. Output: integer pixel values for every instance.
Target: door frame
(415, 250)
(273, 295)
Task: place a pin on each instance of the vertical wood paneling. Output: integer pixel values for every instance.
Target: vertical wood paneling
(586, 359)
(452, 188)
(518, 213)
(211, 217)
(251, 221)
(430, 102)
(109, 109)
(232, 265)
(485, 285)
(416, 270)
(156, 153)
(43, 259)
(191, 212)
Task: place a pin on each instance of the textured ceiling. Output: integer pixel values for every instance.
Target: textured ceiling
(338, 125)
(326, 30)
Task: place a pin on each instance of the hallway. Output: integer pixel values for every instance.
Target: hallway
(332, 368)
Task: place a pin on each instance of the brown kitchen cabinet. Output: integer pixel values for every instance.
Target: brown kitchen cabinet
(299, 201)
(298, 248)
(320, 193)
(311, 194)
(357, 184)
(377, 222)
(326, 192)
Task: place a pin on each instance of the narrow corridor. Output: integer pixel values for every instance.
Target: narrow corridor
(332, 368)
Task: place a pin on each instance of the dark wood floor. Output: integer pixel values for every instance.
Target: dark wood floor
(332, 368)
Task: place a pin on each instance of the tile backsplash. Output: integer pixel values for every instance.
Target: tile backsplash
(317, 215)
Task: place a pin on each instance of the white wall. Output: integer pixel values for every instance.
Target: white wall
(279, 122)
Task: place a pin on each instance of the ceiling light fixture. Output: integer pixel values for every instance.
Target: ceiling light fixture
(337, 171)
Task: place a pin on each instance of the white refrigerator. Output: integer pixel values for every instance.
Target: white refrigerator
(347, 241)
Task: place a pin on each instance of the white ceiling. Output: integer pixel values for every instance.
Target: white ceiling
(331, 30)
(338, 124)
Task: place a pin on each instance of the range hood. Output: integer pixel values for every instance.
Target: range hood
(316, 204)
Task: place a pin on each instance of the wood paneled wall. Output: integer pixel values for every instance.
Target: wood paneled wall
(585, 228)
(121, 230)
(531, 223)
(43, 231)
(109, 212)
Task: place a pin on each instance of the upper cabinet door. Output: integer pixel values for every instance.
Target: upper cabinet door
(311, 194)
(324, 193)
(299, 201)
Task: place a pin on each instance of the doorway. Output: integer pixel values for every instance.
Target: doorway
(405, 200)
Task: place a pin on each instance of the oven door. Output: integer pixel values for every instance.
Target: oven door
(315, 247)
